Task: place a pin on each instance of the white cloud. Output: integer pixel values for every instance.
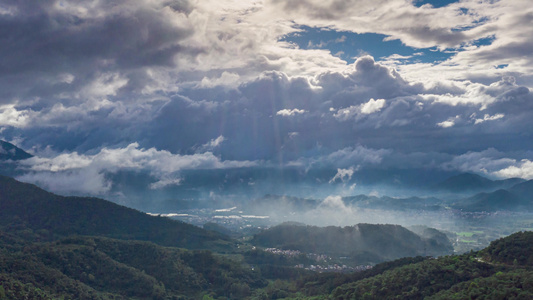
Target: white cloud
(11, 116)
(227, 79)
(372, 106)
(77, 168)
(488, 161)
(522, 169)
(345, 114)
(343, 174)
(488, 117)
(290, 112)
(86, 181)
(215, 142)
(448, 123)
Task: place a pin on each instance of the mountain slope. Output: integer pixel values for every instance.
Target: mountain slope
(25, 205)
(495, 201)
(501, 271)
(394, 204)
(103, 268)
(523, 190)
(9, 151)
(364, 243)
(468, 182)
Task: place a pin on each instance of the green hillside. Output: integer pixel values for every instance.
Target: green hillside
(501, 271)
(103, 268)
(27, 208)
(364, 243)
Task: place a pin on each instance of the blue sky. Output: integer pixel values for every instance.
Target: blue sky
(97, 89)
(349, 46)
(434, 3)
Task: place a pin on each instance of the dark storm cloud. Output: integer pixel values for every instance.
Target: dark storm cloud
(48, 47)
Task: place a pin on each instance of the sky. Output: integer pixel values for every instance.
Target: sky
(95, 89)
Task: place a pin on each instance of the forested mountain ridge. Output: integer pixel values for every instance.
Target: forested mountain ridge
(504, 270)
(103, 268)
(26, 206)
(365, 243)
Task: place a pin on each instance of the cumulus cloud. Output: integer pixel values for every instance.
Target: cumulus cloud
(161, 164)
(290, 112)
(522, 169)
(11, 116)
(370, 107)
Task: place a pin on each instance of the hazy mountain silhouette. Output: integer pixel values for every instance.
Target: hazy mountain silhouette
(516, 198)
(9, 151)
(469, 182)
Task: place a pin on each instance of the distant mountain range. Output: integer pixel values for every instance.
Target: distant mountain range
(492, 195)
(468, 182)
(512, 194)
(516, 198)
(397, 204)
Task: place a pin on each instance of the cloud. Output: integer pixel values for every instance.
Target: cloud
(79, 42)
(342, 174)
(355, 156)
(11, 116)
(488, 161)
(290, 112)
(51, 172)
(522, 169)
(215, 142)
(214, 84)
(448, 123)
(372, 106)
(165, 182)
(488, 117)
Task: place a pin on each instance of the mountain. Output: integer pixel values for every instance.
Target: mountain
(500, 271)
(363, 243)
(516, 198)
(468, 182)
(495, 201)
(464, 182)
(524, 190)
(396, 204)
(9, 151)
(103, 268)
(25, 207)
(269, 203)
